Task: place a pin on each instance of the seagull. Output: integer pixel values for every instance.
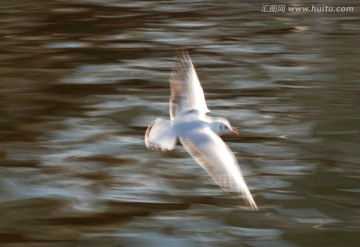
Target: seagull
(198, 133)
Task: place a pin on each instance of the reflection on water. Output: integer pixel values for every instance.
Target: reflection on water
(81, 80)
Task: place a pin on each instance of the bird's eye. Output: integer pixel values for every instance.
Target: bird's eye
(226, 127)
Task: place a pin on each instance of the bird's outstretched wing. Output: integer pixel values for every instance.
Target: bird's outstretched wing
(186, 91)
(216, 158)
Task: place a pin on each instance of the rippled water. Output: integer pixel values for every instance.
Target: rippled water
(81, 80)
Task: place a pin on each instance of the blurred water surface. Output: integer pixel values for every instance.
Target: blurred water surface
(81, 80)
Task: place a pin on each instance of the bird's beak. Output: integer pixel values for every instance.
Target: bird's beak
(234, 132)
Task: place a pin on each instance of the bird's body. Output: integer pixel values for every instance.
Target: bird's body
(198, 132)
(188, 123)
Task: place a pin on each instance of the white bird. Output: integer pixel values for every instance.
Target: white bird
(198, 133)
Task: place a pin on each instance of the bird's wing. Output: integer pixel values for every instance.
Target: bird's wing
(216, 158)
(186, 91)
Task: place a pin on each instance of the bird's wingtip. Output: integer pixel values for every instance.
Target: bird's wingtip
(251, 203)
(182, 52)
(254, 207)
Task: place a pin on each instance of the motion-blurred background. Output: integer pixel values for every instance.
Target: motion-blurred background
(80, 80)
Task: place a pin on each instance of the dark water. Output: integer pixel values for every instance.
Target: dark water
(81, 80)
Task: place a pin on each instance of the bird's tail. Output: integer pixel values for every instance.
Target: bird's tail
(160, 135)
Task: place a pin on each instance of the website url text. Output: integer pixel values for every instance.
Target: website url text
(282, 8)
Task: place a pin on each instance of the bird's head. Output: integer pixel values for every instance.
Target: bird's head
(222, 127)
